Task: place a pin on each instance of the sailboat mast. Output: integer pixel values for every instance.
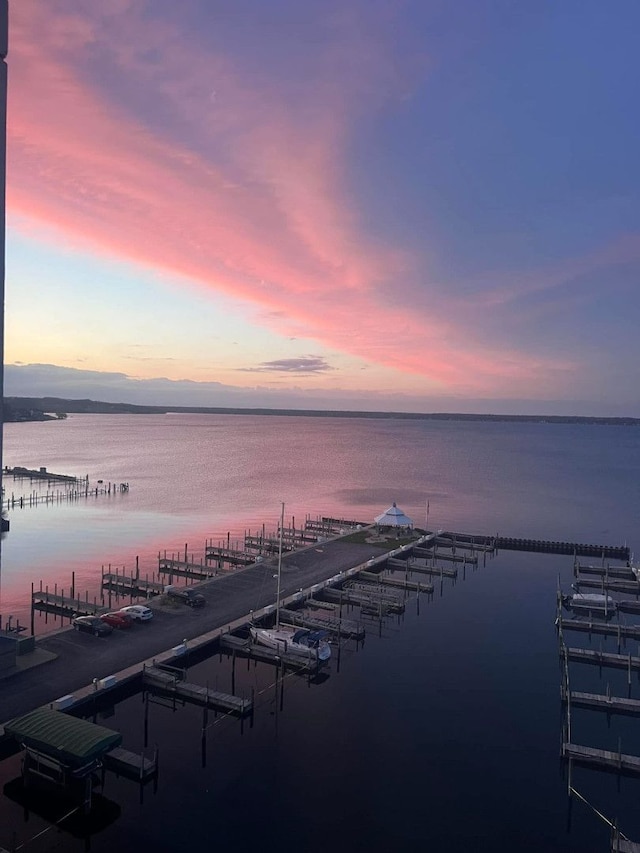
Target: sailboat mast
(279, 566)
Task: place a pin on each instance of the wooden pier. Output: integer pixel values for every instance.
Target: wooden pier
(365, 599)
(598, 658)
(601, 758)
(606, 571)
(605, 585)
(465, 541)
(334, 526)
(267, 544)
(233, 556)
(628, 606)
(63, 605)
(130, 585)
(19, 473)
(183, 569)
(413, 564)
(434, 555)
(397, 583)
(246, 648)
(600, 702)
(607, 629)
(131, 765)
(338, 627)
(170, 683)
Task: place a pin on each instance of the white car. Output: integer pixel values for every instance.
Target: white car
(138, 612)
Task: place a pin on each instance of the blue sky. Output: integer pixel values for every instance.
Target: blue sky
(393, 205)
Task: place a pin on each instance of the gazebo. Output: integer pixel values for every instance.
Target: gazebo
(393, 517)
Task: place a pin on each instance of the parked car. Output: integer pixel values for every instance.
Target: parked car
(92, 625)
(186, 595)
(138, 612)
(117, 619)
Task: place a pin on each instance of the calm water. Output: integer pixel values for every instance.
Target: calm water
(442, 732)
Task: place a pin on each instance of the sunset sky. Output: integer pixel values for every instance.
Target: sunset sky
(356, 204)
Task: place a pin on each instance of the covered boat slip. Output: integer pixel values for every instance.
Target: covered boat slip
(63, 750)
(72, 741)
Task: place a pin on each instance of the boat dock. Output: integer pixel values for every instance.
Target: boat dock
(64, 605)
(628, 606)
(607, 629)
(338, 627)
(19, 473)
(600, 702)
(398, 583)
(367, 597)
(434, 555)
(246, 648)
(607, 571)
(169, 681)
(130, 585)
(414, 564)
(598, 658)
(632, 587)
(233, 556)
(131, 765)
(183, 569)
(601, 758)
(465, 540)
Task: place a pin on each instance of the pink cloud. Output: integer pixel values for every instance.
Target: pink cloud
(244, 191)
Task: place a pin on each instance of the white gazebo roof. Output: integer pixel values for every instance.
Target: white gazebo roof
(394, 517)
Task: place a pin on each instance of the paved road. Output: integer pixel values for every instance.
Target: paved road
(83, 657)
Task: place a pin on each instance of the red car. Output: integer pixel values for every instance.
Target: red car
(116, 620)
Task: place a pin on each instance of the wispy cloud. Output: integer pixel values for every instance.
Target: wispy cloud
(304, 365)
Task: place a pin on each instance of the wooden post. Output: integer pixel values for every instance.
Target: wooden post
(32, 613)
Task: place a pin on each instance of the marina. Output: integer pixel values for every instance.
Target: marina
(516, 592)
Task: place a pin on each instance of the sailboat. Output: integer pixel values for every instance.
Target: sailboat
(312, 645)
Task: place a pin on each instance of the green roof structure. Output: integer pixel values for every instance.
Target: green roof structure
(68, 739)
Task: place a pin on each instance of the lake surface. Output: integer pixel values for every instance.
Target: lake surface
(443, 731)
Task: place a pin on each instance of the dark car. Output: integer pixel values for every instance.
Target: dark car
(92, 625)
(187, 596)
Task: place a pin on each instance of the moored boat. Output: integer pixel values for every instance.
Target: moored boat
(590, 601)
(312, 645)
(298, 641)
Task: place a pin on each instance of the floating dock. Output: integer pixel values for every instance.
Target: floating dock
(131, 765)
(365, 598)
(338, 627)
(471, 559)
(632, 587)
(601, 758)
(618, 572)
(63, 605)
(130, 585)
(183, 569)
(169, 682)
(397, 583)
(607, 629)
(421, 568)
(246, 648)
(233, 556)
(600, 702)
(602, 658)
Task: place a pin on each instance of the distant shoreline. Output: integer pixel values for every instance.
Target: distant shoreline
(39, 405)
